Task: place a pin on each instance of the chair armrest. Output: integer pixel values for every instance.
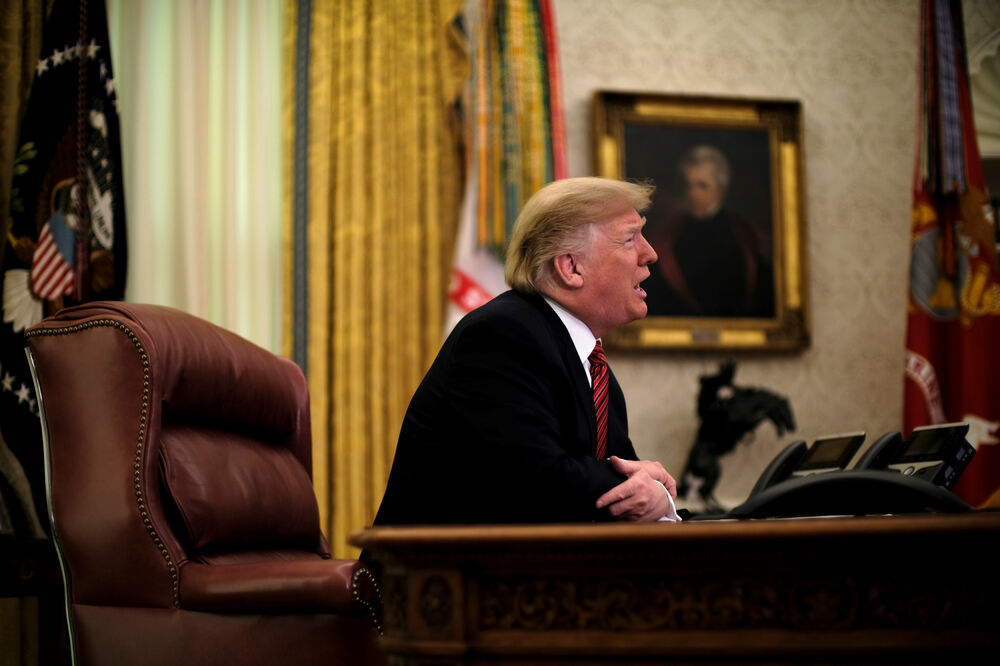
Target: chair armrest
(314, 585)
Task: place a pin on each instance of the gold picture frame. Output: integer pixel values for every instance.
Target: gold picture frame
(727, 218)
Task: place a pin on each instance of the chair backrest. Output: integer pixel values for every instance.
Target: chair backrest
(168, 440)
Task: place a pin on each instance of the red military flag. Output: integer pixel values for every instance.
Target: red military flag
(953, 320)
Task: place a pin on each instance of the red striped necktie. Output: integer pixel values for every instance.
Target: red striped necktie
(599, 380)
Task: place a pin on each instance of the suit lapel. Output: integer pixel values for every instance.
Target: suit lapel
(574, 368)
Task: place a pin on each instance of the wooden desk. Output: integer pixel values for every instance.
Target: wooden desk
(902, 589)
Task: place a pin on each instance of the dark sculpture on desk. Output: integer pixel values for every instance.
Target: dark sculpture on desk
(727, 414)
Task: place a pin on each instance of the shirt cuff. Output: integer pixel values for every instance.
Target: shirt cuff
(671, 515)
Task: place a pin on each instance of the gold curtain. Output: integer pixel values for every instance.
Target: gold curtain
(384, 182)
(20, 43)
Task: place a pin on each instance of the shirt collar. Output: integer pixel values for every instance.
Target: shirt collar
(579, 333)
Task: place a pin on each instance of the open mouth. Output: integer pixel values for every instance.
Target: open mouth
(637, 287)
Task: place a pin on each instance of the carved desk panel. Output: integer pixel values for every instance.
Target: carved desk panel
(888, 589)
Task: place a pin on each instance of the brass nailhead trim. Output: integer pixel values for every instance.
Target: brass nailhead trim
(357, 596)
(140, 436)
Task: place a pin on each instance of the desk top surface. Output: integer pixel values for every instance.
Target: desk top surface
(511, 536)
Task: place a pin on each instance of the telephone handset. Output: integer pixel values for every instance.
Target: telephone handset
(880, 453)
(827, 454)
(781, 467)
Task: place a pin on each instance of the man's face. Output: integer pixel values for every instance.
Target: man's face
(704, 196)
(613, 266)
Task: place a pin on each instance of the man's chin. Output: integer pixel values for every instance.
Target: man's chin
(640, 312)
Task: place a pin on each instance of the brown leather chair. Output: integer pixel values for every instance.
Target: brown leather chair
(179, 468)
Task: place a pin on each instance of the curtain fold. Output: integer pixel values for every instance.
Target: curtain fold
(199, 90)
(20, 42)
(383, 182)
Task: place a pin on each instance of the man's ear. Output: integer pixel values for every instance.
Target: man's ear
(567, 270)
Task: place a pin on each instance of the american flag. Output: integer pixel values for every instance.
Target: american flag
(52, 263)
(69, 121)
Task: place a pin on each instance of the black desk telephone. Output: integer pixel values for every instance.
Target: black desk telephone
(894, 475)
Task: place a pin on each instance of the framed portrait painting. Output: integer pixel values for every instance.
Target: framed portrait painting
(726, 221)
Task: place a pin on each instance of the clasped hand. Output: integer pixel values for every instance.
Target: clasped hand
(640, 498)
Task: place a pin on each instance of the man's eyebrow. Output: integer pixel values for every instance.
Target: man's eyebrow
(637, 225)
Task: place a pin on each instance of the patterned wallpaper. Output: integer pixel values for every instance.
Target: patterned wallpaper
(852, 64)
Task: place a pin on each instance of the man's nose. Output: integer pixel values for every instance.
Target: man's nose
(647, 255)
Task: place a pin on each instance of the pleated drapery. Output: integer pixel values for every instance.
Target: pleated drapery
(375, 181)
(20, 42)
(199, 90)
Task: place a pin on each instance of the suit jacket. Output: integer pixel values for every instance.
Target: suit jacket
(502, 427)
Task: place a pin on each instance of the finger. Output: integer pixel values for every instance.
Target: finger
(622, 491)
(632, 507)
(651, 510)
(671, 486)
(647, 503)
(626, 509)
(611, 497)
(626, 467)
(636, 509)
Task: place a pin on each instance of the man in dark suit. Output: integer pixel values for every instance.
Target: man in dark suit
(503, 428)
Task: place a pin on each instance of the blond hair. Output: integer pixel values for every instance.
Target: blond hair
(556, 220)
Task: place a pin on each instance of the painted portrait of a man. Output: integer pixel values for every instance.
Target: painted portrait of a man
(710, 221)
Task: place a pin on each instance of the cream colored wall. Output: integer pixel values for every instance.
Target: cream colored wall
(852, 64)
